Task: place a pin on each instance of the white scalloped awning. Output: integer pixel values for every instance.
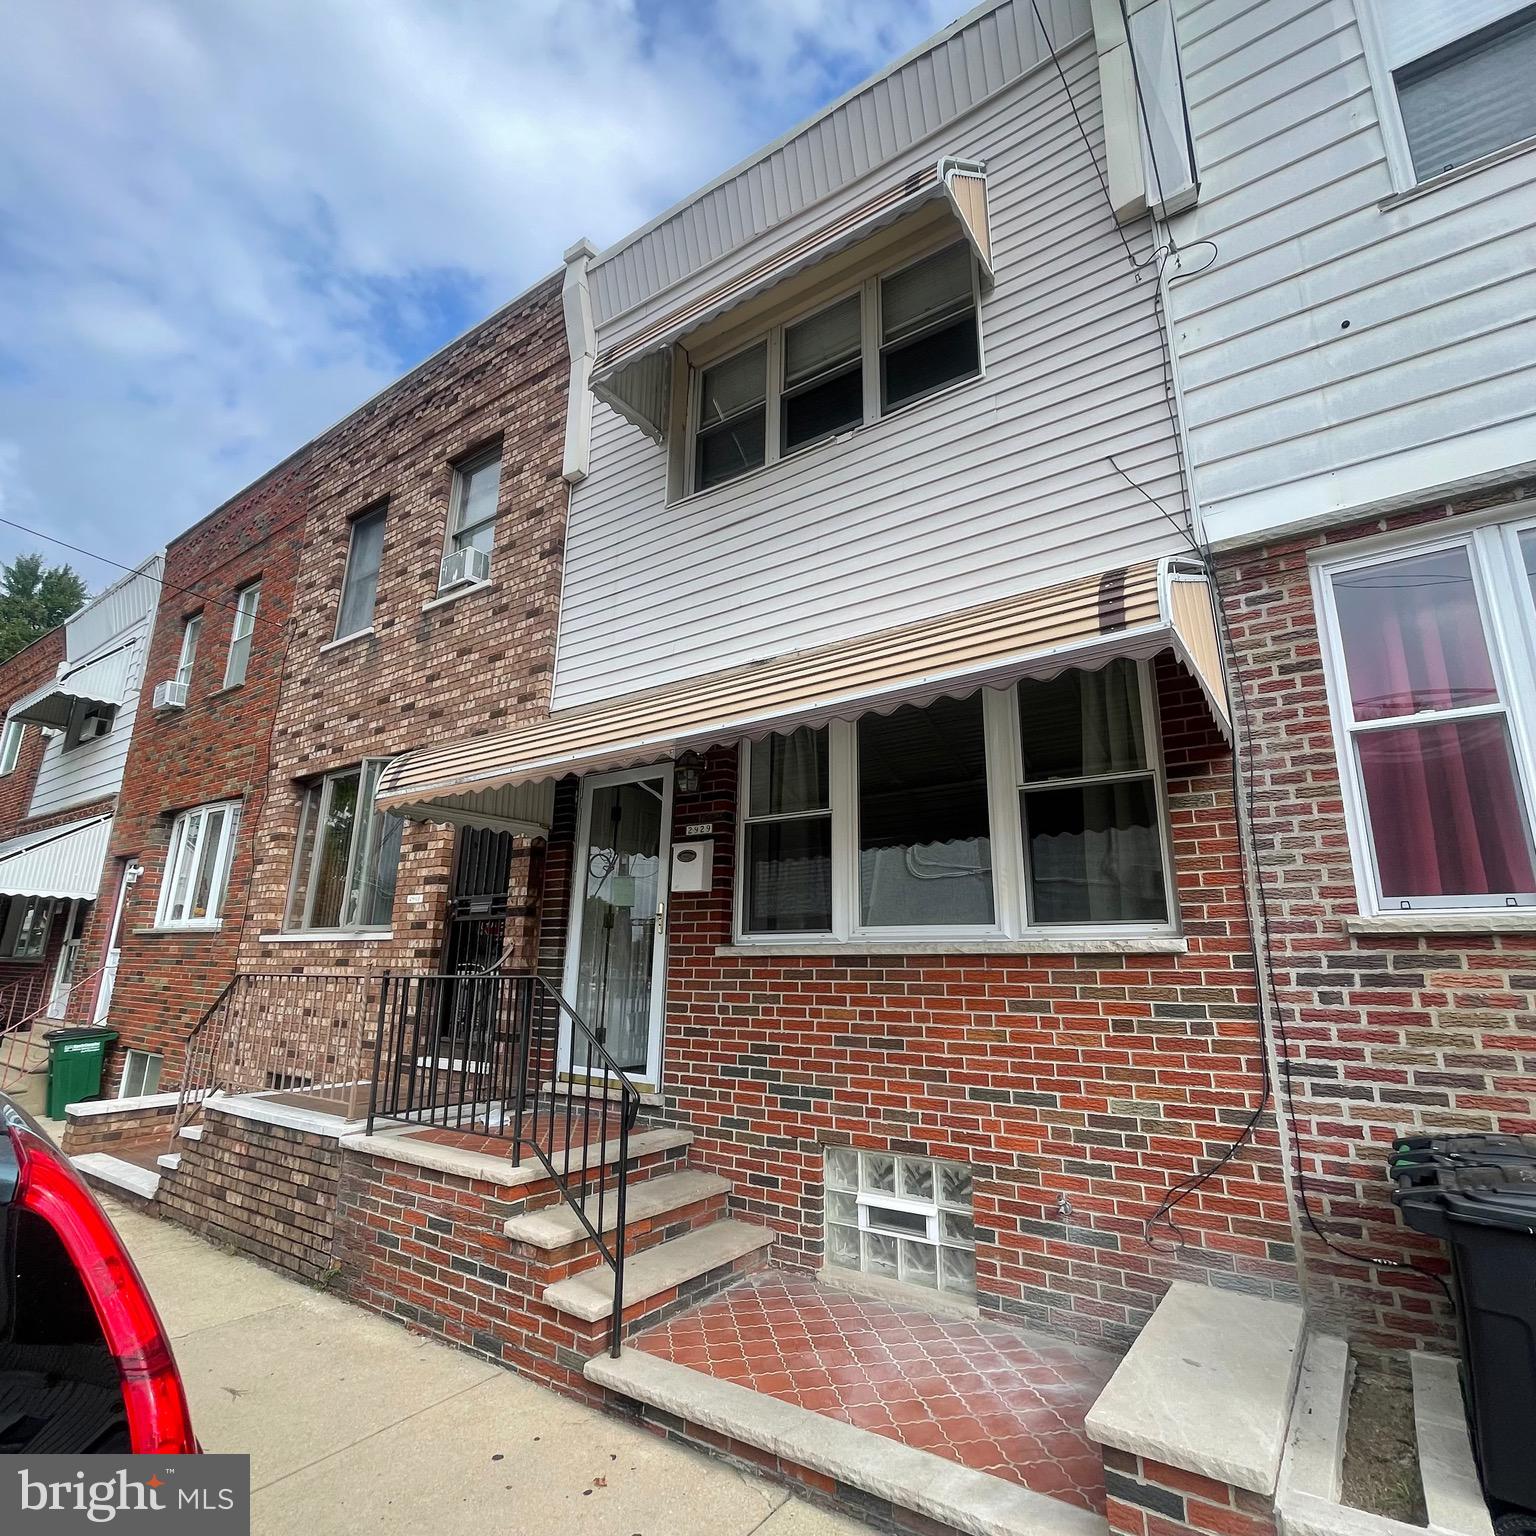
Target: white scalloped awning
(507, 779)
(64, 862)
(100, 682)
(634, 376)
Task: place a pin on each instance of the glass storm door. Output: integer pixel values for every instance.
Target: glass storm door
(615, 965)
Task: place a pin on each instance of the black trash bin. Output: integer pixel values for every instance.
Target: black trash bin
(1487, 1213)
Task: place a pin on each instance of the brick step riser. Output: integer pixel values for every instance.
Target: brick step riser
(648, 1232)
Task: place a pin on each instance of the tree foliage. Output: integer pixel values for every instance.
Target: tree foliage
(33, 599)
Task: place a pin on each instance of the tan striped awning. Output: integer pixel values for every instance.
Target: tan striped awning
(634, 375)
(506, 779)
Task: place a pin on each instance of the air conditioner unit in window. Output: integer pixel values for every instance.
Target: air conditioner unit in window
(463, 568)
(94, 726)
(170, 696)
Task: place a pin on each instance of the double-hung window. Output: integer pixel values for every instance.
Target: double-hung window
(1010, 812)
(10, 745)
(24, 934)
(1431, 661)
(348, 854)
(360, 585)
(887, 342)
(191, 632)
(197, 863)
(247, 600)
(1454, 77)
(476, 489)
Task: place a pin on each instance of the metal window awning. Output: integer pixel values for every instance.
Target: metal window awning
(507, 779)
(64, 862)
(635, 375)
(99, 682)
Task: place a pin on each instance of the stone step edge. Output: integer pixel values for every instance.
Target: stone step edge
(120, 1177)
(589, 1295)
(953, 1495)
(191, 1133)
(556, 1226)
(170, 1161)
(403, 1147)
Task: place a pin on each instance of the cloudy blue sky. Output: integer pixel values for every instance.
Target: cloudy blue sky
(224, 223)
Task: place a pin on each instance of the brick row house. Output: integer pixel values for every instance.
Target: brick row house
(792, 790)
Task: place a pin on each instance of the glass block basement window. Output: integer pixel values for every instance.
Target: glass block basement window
(901, 1218)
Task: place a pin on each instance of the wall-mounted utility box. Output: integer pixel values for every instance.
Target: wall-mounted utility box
(693, 864)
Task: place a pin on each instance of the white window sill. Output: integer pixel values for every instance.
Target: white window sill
(1445, 921)
(1456, 173)
(1165, 944)
(443, 599)
(169, 930)
(329, 936)
(341, 640)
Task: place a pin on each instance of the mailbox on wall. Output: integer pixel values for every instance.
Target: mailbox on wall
(693, 864)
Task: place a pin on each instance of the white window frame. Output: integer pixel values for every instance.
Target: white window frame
(139, 1060)
(10, 746)
(1004, 768)
(868, 288)
(362, 843)
(1384, 88)
(462, 470)
(1509, 630)
(379, 514)
(198, 817)
(191, 632)
(242, 633)
(18, 919)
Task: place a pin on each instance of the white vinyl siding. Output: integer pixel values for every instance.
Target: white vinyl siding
(197, 864)
(1338, 354)
(982, 491)
(90, 770)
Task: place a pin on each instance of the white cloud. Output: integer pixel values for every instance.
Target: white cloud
(222, 226)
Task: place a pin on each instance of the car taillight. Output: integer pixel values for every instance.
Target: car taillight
(158, 1421)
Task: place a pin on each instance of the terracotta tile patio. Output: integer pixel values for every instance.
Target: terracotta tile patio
(975, 1392)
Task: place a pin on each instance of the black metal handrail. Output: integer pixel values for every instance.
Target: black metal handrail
(502, 1054)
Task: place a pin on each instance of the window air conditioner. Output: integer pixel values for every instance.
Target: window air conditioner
(170, 695)
(94, 726)
(463, 568)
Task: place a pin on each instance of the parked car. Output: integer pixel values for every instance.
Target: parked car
(85, 1364)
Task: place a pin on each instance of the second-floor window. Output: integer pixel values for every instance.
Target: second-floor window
(10, 746)
(892, 341)
(1461, 77)
(476, 489)
(197, 863)
(247, 600)
(360, 585)
(190, 632)
(348, 854)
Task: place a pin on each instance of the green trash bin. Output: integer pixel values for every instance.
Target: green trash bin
(75, 1060)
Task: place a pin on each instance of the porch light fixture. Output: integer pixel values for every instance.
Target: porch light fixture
(689, 774)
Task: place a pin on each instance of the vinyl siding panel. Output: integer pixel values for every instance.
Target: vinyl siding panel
(1334, 341)
(997, 487)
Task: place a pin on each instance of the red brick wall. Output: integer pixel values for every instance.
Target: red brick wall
(1098, 1078)
(424, 673)
(214, 749)
(1386, 1034)
(26, 670)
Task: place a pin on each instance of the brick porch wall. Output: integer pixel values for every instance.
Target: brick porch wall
(1426, 1031)
(1095, 1079)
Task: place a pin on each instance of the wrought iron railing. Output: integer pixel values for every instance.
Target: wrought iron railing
(501, 1054)
(296, 1030)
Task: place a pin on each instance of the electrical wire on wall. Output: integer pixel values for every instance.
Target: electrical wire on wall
(1270, 1013)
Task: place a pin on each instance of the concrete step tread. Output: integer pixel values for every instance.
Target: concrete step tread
(402, 1146)
(942, 1490)
(559, 1225)
(589, 1295)
(116, 1173)
(191, 1133)
(169, 1160)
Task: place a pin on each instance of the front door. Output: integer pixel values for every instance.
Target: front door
(616, 960)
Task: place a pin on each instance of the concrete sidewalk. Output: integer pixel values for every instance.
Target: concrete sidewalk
(352, 1424)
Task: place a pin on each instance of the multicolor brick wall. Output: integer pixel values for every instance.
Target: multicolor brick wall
(424, 673)
(1149, 1498)
(217, 748)
(1078, 1086)
(1423, 1031)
